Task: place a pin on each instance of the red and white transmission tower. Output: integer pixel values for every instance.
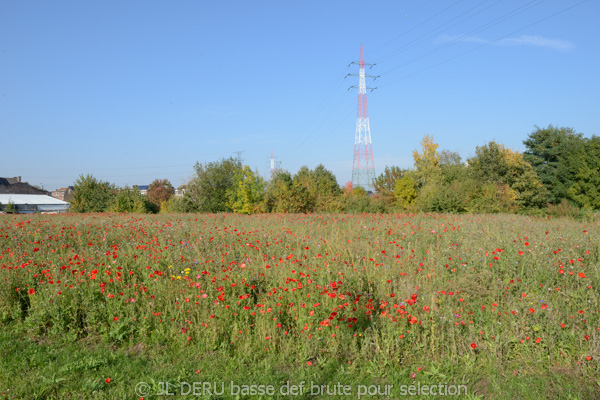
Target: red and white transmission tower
(363, 166)
(273, 165)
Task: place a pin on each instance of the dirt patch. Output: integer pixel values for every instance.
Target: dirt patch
(482, 388)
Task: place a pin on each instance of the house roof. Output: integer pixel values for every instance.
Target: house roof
(20, 188)
(31, 199)
(9, 181)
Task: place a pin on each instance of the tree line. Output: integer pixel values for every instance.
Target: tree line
(557, 174)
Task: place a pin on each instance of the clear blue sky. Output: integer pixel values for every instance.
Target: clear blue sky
(130, 91)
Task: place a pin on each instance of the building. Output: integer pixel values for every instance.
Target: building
(16, 186)
(180, 191)
(32, 203)
(143, 189)
(64, 193)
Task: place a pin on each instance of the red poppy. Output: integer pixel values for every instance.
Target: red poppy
(31, 291)
(473, 345)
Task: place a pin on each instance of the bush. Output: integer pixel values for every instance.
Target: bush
(564, 209)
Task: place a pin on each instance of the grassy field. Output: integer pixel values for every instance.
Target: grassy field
(225, 306)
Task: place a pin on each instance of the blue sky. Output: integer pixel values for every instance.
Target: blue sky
(131, 91)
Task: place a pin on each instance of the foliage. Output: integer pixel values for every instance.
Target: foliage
(210, 187)
(92, 195)
(452, 167)
(307, 191)
(9, 208)
(247, 197)
(550, 151)
(130, 200)
(356, 200)
(405, 192)
(316, 189)
(279, 195)
(385, 183)
(427, 164)
(182, 204)
(159, 191)
(495, 164)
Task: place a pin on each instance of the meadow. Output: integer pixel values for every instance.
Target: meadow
(93, 305)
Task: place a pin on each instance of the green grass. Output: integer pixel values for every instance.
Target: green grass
(335, 304)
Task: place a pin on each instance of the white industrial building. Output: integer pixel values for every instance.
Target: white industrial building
(32, 203)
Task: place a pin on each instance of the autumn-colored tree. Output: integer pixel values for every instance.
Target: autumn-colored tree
(160, 191)
(427, 164)
(248, 195)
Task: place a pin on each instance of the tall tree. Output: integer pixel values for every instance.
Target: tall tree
(584, 166)
(405, 192)
(210, 187)
(91, 194)
(549, 151)
(316, 190)
(279, 192)
(385, 183)
(452, 166)
(495, 164)
(159, 191)
(427, 163)
(247, 196)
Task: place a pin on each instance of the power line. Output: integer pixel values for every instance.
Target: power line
(481, 28)
(439, 29)
(486, 44)
(418, 26)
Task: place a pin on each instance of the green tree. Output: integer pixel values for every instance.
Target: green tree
(357, 200)
(279, 192)
(385, 183)
(159, 191)
(405, 192)
(584, 167)
(247, 197)
(550, 151)
(129, 200)
(209, 189)
(182, 204)
(497, 165)
(452, 167)
(325, 189)
(315, 190)
(9, 208)
(427, 164)
(92, 195)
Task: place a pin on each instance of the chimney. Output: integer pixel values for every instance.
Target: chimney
(18, 179)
